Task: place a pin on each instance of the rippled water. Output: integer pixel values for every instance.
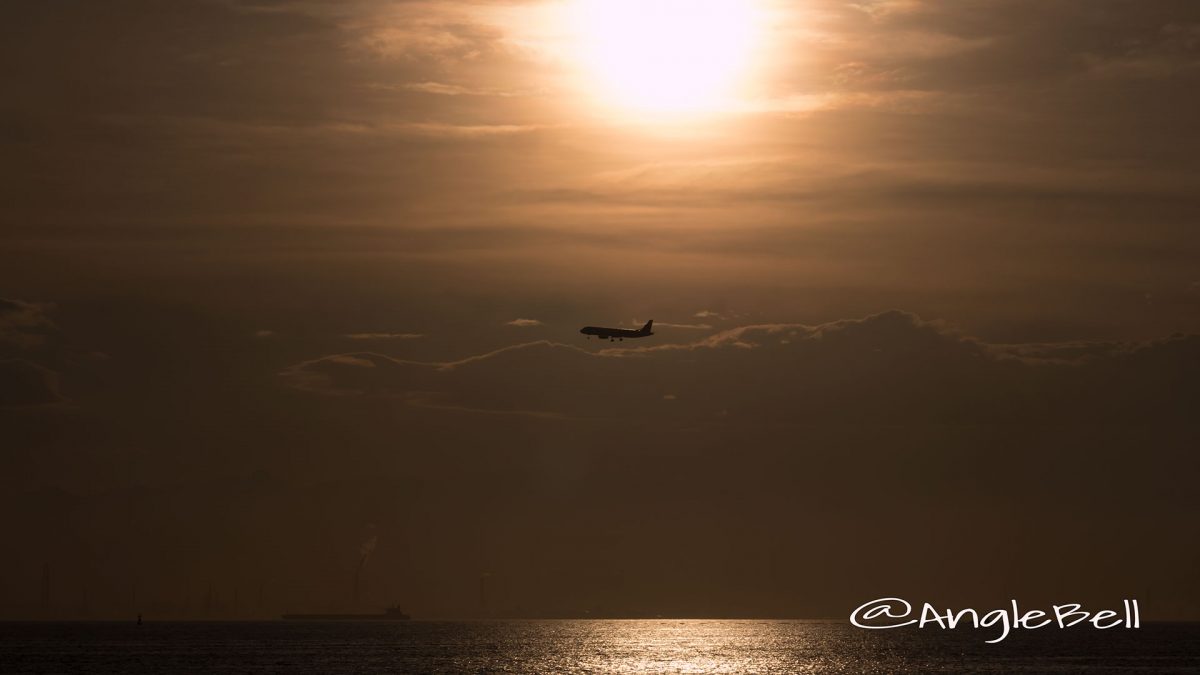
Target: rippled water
(656, 646)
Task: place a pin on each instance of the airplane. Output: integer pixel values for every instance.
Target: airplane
(618, 333)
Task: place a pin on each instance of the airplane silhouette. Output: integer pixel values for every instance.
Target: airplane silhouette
(618, 333)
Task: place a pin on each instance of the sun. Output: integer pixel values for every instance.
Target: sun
(665, 55)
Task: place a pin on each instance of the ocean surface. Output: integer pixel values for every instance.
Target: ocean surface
(649, 646)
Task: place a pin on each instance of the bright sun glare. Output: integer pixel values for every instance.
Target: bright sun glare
(666, 55)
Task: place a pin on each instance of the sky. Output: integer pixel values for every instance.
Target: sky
(279, 278)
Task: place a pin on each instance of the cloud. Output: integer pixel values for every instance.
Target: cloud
(336, 374)
(443, 89)
(889, 368)
(24, 324)
(24, 383)
(25, 328)
(955, 46)
(352, 361)
(383, 336)
(467, 131)
(525, 323)
(684, 326)
(443, 37)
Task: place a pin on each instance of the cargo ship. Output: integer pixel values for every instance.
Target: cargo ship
(389, 614)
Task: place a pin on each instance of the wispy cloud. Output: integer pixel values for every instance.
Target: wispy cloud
(383, 336)
(443, 89)
(439, 130)
(524, 323)
(24, 323)
(815, 371)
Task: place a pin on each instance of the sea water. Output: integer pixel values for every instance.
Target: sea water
(636, 646)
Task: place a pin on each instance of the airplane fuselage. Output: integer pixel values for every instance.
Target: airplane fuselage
(618, 333)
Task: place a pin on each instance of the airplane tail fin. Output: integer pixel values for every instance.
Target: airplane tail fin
(649, 325)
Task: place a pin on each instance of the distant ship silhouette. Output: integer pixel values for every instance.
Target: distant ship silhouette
(389, 614)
